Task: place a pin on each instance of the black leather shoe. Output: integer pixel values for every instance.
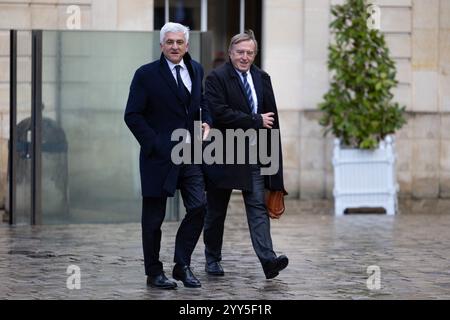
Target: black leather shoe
(214, 269)
(184, 274)
(274, 267)
(161, 282)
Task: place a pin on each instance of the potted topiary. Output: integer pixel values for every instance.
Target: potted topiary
(359, 111)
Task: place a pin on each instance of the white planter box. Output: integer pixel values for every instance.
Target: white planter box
(365, 178)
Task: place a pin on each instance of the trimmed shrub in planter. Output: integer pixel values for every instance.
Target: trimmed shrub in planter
(358, 107)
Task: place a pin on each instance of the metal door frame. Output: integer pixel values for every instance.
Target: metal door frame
(36, 127)
(12, 159)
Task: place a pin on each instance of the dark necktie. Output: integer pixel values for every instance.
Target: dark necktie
(184, 92)
(248, 92)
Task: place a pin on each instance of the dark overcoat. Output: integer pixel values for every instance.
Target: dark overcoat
(230, 109)
(153, 111)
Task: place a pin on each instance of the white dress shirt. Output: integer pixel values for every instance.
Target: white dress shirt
(184, 73)
(254, 97)
(186, 78)
(252, 87)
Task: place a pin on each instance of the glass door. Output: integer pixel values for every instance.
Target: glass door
(69, 96)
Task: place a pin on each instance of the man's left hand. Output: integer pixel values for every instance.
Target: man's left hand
(206, 129)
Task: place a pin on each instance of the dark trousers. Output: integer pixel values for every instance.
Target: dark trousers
(192, 188)
(257, 218)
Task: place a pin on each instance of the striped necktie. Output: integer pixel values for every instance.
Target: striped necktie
(248, 93)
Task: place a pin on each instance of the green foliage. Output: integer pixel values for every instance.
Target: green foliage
(358, 107)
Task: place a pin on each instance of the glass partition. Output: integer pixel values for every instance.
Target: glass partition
(90, 160)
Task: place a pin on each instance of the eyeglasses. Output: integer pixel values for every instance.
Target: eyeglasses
(250, 54)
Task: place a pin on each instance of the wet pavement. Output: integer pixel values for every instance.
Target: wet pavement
(361, 256)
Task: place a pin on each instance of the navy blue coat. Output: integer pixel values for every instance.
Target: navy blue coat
(230, 109)
(154, 110)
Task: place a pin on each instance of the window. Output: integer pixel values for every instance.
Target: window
(186, 12)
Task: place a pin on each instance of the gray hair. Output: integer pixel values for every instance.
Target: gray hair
(245, 36)
(173, 27)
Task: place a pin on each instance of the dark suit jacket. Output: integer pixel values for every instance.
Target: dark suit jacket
(230, 109)
(154, 110)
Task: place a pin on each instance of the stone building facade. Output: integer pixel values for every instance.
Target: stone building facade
(295, 36)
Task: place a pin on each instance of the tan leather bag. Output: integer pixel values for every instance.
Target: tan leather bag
(275, 203)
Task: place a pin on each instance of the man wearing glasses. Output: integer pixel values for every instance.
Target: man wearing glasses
(240, 96)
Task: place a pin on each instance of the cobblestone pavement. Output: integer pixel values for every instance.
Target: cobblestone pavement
(329, 257)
